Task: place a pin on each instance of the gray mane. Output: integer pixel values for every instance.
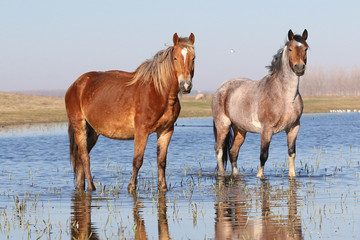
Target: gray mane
(276, 61)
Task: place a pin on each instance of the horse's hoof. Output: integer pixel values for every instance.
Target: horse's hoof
(91, 188)
(80, 187)
(163, 188)
(260, 175)
(292, 175)
(131, 188)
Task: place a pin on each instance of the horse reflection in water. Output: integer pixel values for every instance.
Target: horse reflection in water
(234, 211)
(163, 228)
(81, 226)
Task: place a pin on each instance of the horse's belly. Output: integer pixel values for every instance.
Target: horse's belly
(248, 125)
(120, 134)
(255, 126)
(122, 129)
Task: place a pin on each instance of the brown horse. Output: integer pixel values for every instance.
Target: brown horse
(129, 105)
(268, 106)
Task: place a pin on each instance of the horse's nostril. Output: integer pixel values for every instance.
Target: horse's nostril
(299, 67)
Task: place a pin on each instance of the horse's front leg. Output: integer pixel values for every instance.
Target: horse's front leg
(266, 136)
(162, 146)
(291, 141)
(140, 141)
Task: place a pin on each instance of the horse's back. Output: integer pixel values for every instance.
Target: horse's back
(105, 101)
(233, 102)
(93, 85)
(91, 80)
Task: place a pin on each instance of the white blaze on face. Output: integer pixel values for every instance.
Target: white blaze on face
(184, 52)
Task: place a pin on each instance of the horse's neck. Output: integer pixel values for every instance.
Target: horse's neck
(290, 85)
(289, 80)
(172, 90)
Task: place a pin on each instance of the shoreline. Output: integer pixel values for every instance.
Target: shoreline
(19, 109)
(32, 124)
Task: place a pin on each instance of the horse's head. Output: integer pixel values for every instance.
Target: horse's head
(297, 48)
(183, 58)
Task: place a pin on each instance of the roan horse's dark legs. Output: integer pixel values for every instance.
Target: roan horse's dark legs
(162, 146)
(291, 141)
(140, 141)
(264, 151)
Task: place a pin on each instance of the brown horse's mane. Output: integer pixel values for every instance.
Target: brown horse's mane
(275, 65)
(160, 68)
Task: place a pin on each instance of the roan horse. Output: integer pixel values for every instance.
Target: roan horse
(129, 105)
(268, 106)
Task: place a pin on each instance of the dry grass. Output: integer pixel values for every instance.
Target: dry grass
(324, 104)
(312, 104)
(21, 109)
(191, 108)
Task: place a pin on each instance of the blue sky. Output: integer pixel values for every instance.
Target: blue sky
(48, 44)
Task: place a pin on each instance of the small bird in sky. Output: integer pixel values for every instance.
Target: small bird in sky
(232, 51)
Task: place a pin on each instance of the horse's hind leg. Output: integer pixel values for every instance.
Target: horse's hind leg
(264, 151)
(162, 146)
(81, 139)
(91, 137)
(221, 130)
(75, 160)
(291, 141)
(239, 138)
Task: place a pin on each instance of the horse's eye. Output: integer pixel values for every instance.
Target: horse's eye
(290, 49)
(306, 50)
(175, 58)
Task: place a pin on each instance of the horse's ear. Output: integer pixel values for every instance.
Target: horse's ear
(305, 34)
(192, 38)
(176, 39)
(290, 35)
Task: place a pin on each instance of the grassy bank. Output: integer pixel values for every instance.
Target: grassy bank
(23, 109)
(325, 104)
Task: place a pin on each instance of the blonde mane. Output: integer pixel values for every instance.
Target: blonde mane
(160, 68)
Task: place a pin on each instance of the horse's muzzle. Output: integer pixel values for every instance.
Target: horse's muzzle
(185, 86)
(299, 69)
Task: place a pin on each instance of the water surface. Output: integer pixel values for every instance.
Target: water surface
(37, 197)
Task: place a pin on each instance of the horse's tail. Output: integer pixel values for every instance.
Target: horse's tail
(226, 145)
(73, 147)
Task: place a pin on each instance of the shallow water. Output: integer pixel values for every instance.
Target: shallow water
(37, 197)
